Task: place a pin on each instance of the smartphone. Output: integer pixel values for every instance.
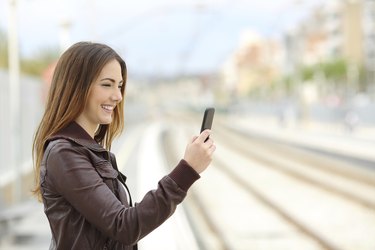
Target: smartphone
(207, 119)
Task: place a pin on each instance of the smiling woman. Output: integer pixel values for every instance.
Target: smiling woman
(85, 196)
(105, 93)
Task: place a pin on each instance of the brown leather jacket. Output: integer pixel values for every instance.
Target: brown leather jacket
(87, 205)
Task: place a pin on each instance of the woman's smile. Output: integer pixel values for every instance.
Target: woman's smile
(108, 108)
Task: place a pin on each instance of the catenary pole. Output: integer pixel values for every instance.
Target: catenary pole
(14, 99)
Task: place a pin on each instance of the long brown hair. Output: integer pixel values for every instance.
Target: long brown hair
(77, 68)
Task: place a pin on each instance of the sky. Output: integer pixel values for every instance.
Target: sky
(155, 37)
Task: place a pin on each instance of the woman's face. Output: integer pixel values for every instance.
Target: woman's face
(104, 95)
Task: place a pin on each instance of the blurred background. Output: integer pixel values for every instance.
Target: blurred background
(293, 84)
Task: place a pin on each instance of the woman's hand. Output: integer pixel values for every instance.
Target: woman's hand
(198, 153)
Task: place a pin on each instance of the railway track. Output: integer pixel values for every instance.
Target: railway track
(331, 175)
(263, 195)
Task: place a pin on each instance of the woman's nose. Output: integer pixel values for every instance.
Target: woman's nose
(117, 95)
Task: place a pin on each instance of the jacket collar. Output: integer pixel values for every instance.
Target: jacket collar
(74, 132)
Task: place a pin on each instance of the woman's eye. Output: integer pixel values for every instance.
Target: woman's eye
(119, 86)
(106, 84)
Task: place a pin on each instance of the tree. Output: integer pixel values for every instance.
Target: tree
(3, 50)
(334, 70)
(37, 64)
(31, 66)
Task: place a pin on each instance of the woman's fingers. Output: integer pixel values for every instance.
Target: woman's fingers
(203, 136)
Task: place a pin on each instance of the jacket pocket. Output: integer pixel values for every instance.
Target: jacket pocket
(105, 170)
(108, 174)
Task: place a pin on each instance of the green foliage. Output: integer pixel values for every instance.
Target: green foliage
(37, 64)
(308, 73)
(334, 70)
(31, 66)
(333, 73)
(3, 50)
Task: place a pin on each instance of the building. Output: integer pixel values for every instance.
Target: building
(335, 30)
(369, 40)
(338, 29)
(255, 63)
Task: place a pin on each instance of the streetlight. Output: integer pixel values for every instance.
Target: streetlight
(14, 97)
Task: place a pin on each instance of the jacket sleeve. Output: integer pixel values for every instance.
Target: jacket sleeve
(74, 177)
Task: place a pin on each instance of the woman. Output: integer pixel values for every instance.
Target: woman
(77, 177)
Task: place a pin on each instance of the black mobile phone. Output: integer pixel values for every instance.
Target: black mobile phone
(207, 119)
